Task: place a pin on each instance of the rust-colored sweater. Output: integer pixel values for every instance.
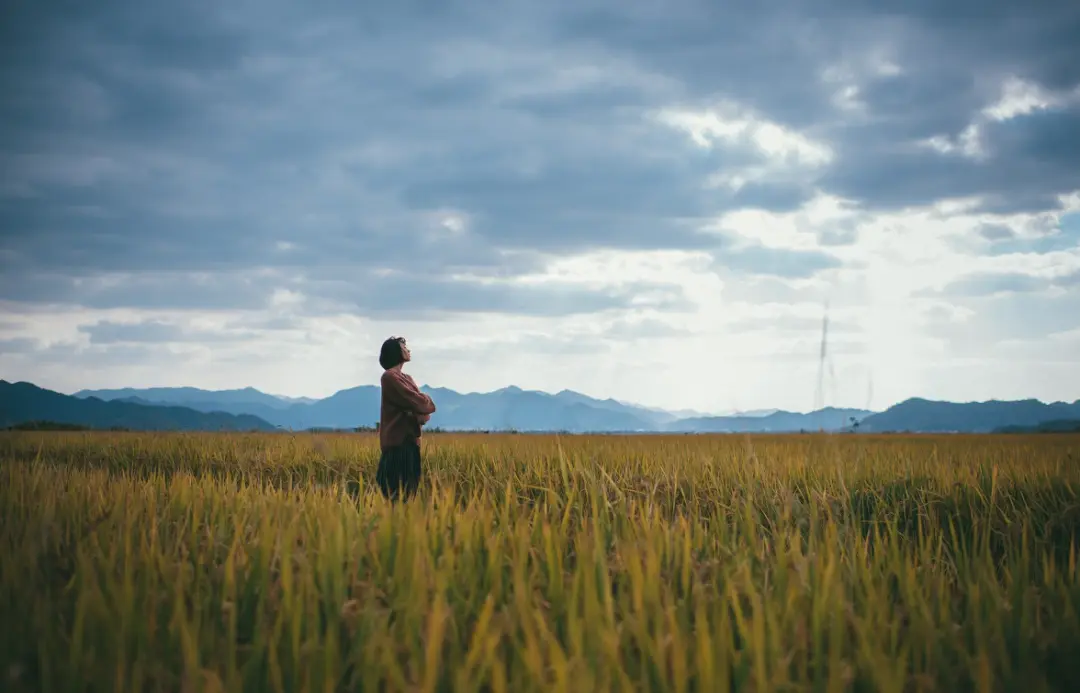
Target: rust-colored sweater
(403, 411)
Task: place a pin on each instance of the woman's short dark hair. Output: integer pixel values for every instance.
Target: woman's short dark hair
(391, 355)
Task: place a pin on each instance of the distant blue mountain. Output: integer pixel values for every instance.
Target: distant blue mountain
(22, 403)
(187, 396)
(924, 415)
(244, 401)
(828, 419)
(512, 408)
(509, 408)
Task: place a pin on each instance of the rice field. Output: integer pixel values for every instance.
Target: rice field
(214, 562)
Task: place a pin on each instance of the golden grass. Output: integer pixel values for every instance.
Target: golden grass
(132, 562)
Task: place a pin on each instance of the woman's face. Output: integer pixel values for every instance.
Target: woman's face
(405, 355)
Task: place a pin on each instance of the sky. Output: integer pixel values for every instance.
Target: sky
(654, 201)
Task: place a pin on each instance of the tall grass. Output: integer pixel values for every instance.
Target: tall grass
(209, 562)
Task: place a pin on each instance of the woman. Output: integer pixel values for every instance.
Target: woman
(404, 410)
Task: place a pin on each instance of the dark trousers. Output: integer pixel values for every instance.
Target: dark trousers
(399, 471)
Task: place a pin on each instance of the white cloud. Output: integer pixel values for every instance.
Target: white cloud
(286, 298)
(1020, 98)
(728, 124)
(968, 143)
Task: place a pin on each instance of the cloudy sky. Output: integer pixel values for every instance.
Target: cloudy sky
(655, 201)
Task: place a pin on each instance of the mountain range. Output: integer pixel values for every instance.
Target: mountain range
(22, 403)
(512, 408)
(509, 408)
(923, 415)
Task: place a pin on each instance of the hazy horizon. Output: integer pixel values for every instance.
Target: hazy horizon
(652, 203)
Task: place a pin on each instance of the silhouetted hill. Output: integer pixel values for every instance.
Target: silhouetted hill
(828, 419)
(928, 416)
(24, 402)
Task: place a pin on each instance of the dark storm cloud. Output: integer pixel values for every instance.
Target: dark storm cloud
(1036, 39)
(218, 138)
(767, 55)
(1028, 162)
(955, 59)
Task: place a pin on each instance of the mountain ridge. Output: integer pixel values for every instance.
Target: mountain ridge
(506, 408)
(937, 416)
(23, 402)
(513, 408)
